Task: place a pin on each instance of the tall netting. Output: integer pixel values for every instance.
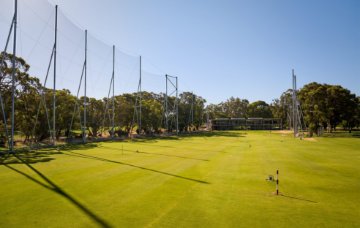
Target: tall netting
(153, 82)
(109, 73)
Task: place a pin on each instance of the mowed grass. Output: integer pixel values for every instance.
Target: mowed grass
(211, 180)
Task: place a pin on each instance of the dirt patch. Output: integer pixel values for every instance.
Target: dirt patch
(310, 139)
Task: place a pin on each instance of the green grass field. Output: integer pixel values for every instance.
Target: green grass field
(211, 180)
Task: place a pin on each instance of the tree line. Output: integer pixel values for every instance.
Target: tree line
(33, 109)
(323, 106)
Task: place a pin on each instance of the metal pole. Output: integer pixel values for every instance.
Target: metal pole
(140, 99)
(296, 124)
(166, 104)
(13, 83)
(54, 88)
(296, 107)
(192, 108)
(177, 108)
(293, 103)
(85, 65)
(113, 95)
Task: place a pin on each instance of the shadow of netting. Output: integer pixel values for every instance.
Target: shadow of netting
(152, 153)
(75, 154)
(42, 154)
(29, 157)
(46, 154)
(52, 186)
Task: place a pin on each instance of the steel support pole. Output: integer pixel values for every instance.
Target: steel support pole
(85, 85)
(113, 95)
(166, 104)
(13, 83)
(192, 108)
(140, 127)
(296, 127)
(293, 104)
(54, 86)
(177, 108)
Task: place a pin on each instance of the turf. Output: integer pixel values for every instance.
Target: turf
(211, 180)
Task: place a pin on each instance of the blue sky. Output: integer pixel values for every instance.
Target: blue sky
(226, 48)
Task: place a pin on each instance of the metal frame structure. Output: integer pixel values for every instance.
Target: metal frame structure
(171, 111)
(138, 102)
(296, 112)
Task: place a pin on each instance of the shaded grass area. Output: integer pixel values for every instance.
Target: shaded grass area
(208, 180)
(50, 185)
(342, 134)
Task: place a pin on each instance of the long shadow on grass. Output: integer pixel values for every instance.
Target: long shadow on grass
(151, 153)
(355, 135)
(71, 153)
(55, 188)
(297, 198)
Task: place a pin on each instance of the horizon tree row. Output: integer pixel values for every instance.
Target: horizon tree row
(323, 106)
(33, 109)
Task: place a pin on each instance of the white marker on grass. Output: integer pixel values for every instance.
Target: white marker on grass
(277, 182)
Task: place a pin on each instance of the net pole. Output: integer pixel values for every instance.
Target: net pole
(293, 103)
(166, 105)
(54, 86)
(113, 94)
(85, 85)
(140, 127)
(177, 108)
(13, 83)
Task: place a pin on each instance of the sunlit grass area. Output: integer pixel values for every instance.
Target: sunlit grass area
(210, 180)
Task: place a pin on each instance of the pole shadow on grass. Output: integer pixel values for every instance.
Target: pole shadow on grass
(55, 188)
(296, 198)
(151, 153)
(75, 154)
